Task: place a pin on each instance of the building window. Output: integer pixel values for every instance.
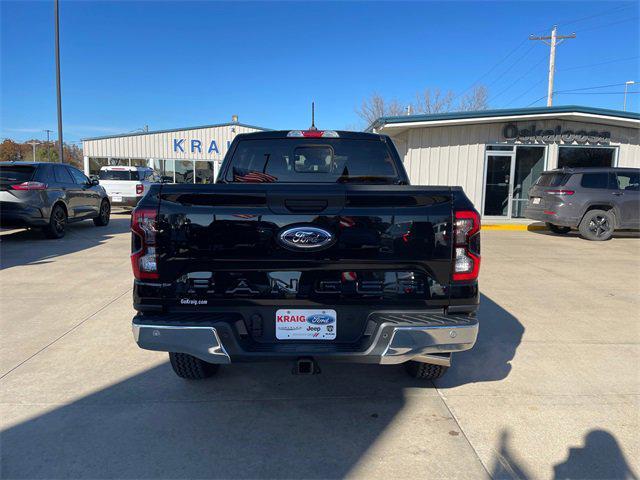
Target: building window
(586, 157)
(184, 171)
(95, 164)
(139, 162)
(119, 162)
(205, 172)
(505, 148)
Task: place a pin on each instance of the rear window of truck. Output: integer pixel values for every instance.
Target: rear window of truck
(553, 179)
(118, 175)
(300, 160)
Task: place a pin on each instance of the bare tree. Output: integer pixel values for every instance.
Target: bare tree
(429, 101)
(476, 99)
(376, 107)
(433, 101)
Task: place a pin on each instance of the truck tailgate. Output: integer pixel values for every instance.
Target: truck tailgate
(123, 188)
(222, 245)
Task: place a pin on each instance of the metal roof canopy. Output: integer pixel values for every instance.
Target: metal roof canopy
(398, 124)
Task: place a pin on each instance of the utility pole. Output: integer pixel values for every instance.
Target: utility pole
(555, 41)
(48, 145)
(33, 144)
(57, 29)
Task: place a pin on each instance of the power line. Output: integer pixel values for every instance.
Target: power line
(536, 101)
(608, 24)
(490, 70)
(525, 92)
(594, 93)
(599, 14)
(583, 91)
(598, 64)
(516, 81)
(499, 77)
(591, 88)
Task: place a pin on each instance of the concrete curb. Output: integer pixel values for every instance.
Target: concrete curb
(511, 227)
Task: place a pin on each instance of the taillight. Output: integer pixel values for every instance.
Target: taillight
(466, 238)
(30, 186)
(560, 192)
(144, 259)
(139, 188)
(313, 133)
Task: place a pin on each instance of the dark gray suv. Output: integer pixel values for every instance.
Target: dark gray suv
(48, 196)
(596, 201)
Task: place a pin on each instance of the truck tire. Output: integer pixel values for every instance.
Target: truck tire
(57, 222)
(426, 371)
(190, 367)
(597, 225)
(558, 229)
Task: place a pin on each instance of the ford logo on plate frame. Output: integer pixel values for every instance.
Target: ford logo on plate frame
(320, 319)
(306, 238)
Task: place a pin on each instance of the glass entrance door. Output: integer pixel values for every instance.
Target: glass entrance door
(529, 164)
(498, 185)
(509, 175)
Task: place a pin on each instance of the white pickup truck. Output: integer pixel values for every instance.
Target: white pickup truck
(125, 185)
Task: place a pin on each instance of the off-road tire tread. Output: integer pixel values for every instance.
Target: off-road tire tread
(426, 371)
(190, 367)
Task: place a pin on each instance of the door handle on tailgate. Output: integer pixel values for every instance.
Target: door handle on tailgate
(302, 206)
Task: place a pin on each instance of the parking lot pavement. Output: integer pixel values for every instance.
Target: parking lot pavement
(550, 390)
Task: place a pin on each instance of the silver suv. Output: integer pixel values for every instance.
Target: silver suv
(596, 201)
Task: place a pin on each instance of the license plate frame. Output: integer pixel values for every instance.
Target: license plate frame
(306, 324)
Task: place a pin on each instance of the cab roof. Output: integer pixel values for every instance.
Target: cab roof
(285, 134)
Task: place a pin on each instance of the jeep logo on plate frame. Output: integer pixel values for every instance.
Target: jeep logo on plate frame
(306, 238)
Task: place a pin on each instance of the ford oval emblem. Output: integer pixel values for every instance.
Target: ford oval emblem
(320, 319)
(306, 238)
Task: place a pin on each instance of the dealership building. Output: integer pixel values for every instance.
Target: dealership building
(180, 155)
(495, 155)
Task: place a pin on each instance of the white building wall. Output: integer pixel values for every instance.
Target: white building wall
(455, 155)
(161, 145)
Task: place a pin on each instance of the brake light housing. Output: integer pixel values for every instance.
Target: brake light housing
(30, 186)
(560, 192)
(313, 133)
(144, 259)
(139, 188)
(466, 246)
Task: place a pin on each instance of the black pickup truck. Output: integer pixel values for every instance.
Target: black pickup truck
(312, 246)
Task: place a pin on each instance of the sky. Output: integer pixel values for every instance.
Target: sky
(176, 64)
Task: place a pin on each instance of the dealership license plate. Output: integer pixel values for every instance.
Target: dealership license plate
(302, 324)
(535, 200)
(116, 199)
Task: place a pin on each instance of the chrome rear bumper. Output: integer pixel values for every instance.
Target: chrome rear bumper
(400, 337)
(201, 342)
